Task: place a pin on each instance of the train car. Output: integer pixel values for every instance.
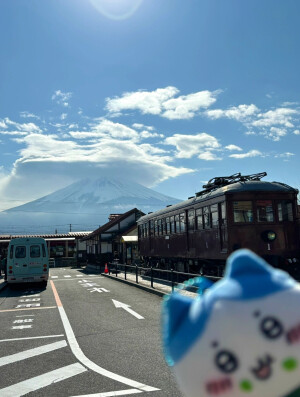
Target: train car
(198, 234)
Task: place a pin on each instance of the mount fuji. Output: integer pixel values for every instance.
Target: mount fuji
(84, 205)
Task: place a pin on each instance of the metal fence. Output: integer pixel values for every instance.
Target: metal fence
(153, 275)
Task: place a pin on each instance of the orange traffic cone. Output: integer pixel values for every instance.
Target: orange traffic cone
(106, 268)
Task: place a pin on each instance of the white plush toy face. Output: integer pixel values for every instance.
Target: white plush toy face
(245, 347)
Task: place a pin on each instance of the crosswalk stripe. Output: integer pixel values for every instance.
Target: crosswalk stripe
(36, 383)
(67, 276)
(31, 353)
(113, 393)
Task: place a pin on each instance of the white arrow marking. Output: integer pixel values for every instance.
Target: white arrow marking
(21, 326)
(126, 307)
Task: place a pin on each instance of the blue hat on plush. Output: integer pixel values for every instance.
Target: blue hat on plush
(241, 337)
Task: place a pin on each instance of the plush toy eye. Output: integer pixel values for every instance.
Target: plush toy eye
(226, 361)
(271, 327)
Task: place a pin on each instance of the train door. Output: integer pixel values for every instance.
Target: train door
(223, 226)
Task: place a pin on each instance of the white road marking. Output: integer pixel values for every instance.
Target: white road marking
(98, 290)
(29, 305)
(79, 275)
(32, 353)
(78, 353)
(30, 300)
(27, 315)
(21, 326)
(25, 320)
(54, 276)
(126, 307)
(32, 337)
(113, 393)
(67, 276)
(36, 383)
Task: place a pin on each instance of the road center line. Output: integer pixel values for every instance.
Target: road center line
(78, 353)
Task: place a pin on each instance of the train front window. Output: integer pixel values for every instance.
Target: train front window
(172, 223)
(265, 212)
(242, 211)
(285, 211)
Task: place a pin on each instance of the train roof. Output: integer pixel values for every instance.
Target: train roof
(246, 186)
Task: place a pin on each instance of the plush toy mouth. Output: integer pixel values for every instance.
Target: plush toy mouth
(263, 370)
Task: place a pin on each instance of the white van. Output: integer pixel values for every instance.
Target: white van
(27, 261)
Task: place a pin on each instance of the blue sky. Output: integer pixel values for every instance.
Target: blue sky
(167, 93)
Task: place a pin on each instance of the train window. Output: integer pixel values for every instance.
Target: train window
(223, 213)
(191, 219)
(206, 218)
(155, 228)
(265, 212)
(199, 220)
(168, 225)
(214, 215)
(285, 211)
(151, 228)
(182, 222)
(159, 231)
(242, 211)
(177, 224)
(172, 224)
(140, 229)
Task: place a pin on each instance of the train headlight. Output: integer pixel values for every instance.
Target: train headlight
(271, 236)
(268, 236)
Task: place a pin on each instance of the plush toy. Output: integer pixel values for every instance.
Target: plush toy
(241, 337)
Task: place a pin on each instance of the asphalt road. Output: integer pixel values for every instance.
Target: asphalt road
(77, 337)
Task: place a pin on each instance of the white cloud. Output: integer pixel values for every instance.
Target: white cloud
(63, 116)
(286, 155)
(186, 106)
(48, 163)
(106, 128)
(280, 116)
(162, 102)
(189, 145)
(239, 113)
(208, 156)
(2, 124)
(252, 153)
(62, 98)
(296, 132)
(28, 115)
(147, 134)
(14, 132)
(29, 128)
(233, 147)
(148, 102)
(275, 133)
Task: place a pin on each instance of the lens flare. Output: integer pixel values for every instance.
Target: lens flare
(116, 9)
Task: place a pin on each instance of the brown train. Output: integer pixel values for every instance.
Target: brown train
(198, 234)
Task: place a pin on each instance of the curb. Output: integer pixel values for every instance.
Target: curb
(132, 284)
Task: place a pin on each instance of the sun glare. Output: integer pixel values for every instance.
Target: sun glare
(116, 9)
